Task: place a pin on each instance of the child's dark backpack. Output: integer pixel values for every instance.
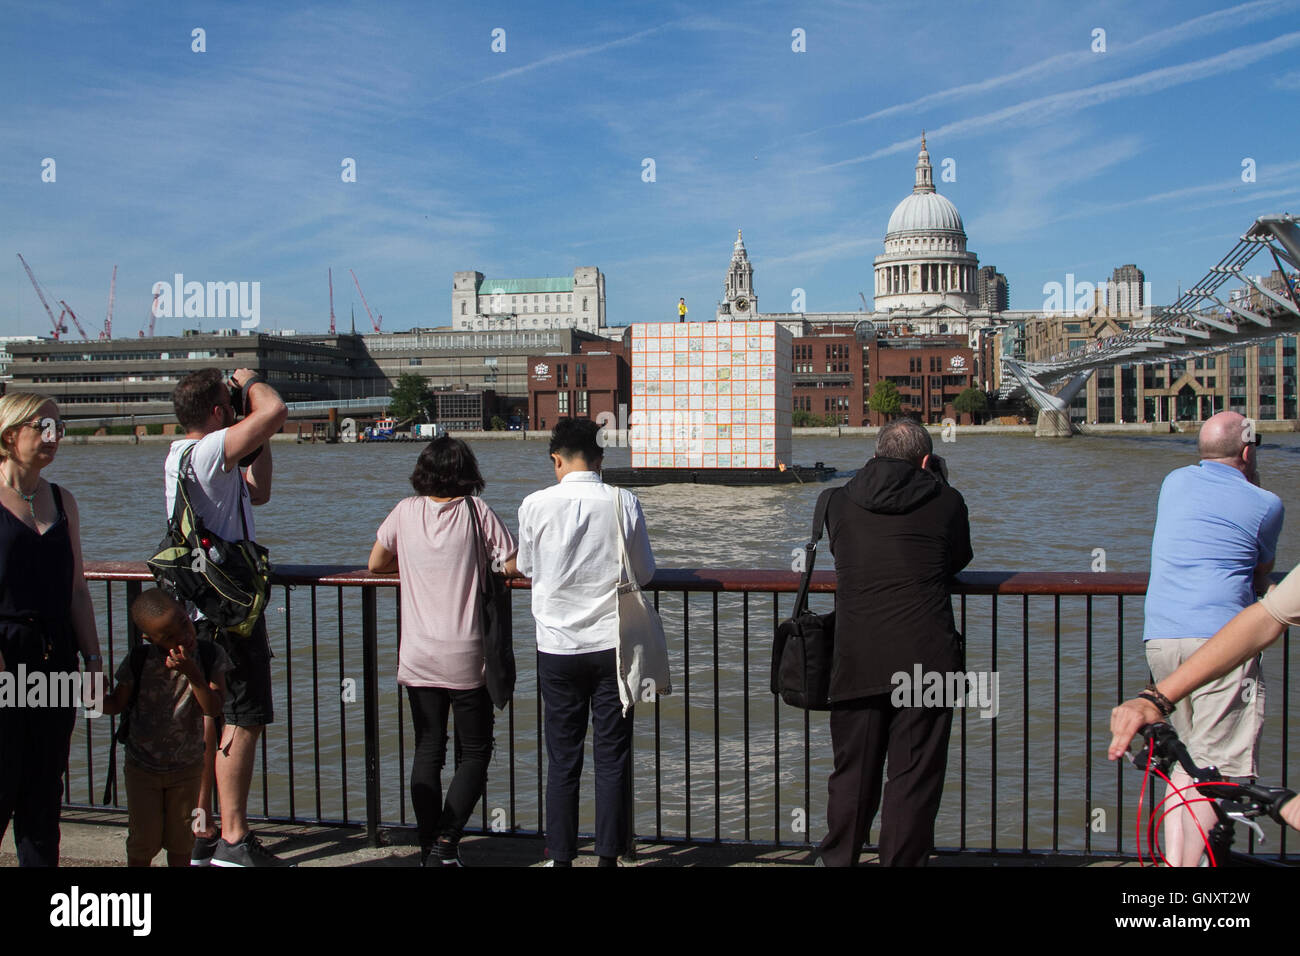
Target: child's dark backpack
(136, 658)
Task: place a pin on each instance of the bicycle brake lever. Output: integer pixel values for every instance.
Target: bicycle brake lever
(1239, 817)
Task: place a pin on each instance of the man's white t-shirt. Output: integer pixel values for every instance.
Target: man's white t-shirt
(218, 494)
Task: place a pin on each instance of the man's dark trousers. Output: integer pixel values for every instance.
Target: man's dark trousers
(915, 739)
(575, 687)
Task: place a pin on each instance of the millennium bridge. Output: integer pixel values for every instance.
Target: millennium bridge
(1226, 309)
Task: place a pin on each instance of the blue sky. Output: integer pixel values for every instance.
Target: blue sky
(225, 165)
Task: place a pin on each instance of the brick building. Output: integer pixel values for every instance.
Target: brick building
(829, 375)
(930, 373)
(584, 384)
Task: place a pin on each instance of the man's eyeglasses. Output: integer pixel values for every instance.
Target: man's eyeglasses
(51, 429)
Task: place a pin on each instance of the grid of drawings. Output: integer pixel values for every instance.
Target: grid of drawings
(710, 395)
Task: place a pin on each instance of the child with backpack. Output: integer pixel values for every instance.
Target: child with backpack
(164, 689)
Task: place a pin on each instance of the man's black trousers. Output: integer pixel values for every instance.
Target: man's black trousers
(864, 734)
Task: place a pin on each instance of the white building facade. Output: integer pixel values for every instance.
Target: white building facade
(550, 302)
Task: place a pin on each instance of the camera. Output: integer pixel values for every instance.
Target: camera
(239, 394)
(938, 467)
(239, 402)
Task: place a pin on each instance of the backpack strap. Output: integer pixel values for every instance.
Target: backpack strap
(181, 501)
(207, 658)
(179, 510)
(136, 661)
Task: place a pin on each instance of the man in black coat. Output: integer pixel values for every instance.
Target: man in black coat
(898, 534)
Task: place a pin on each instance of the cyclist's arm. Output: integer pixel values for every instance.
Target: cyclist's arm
(1252, 630)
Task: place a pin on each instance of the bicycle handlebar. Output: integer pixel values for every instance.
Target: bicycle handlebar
(1244, 801)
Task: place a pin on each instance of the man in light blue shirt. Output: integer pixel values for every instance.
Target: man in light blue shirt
(1213, 548)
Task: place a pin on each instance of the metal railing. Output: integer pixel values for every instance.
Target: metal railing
(721, 759)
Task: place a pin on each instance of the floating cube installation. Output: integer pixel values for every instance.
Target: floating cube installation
(710, 395)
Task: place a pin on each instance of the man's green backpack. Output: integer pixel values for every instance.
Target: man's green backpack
(228, 581)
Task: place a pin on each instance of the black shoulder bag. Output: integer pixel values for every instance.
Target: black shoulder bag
(804, 649)
(498, 630)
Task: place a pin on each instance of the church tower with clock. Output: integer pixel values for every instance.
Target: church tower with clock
(740, 301)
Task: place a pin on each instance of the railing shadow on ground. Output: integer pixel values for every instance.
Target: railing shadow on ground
(721, 759)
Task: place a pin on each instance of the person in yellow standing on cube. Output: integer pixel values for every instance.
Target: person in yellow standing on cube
(681, 310)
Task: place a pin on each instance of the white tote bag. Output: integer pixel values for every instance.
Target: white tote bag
(642, 649)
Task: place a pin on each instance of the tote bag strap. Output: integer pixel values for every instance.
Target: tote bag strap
(624, 567)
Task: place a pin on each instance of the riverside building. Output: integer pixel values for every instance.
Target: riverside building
(500, 360)
(589, 383)
(135, 376)
(481, 304)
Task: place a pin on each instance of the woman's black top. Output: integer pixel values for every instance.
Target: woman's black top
(36, 593)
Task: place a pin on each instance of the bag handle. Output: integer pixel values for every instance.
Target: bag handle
(810, 549)
(624, 566)
(480, 550)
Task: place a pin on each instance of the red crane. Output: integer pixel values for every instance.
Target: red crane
(331, 278)
(363, 302)
(108, 318)
(75, 321)
(57, 323)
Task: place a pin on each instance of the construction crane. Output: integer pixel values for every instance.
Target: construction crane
(59, 327)
(373, 322)
(108, 317)
(331, 278)
(153, 315)
(75, 321)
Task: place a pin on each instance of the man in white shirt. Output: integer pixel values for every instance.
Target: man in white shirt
(222, 493)
(569, 546)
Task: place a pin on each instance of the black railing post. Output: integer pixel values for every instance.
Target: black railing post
(370, 676)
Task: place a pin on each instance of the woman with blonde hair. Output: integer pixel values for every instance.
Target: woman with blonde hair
(46, 617)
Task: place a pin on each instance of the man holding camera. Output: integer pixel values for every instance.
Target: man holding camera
(898, 533)
(229, 424)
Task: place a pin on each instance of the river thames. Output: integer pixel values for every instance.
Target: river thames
(1035, 505)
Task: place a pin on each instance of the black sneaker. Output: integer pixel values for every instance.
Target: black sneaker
(247, 852)
(204, 847)
(449, 854)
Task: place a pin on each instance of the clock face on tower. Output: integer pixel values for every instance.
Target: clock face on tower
(742, 304)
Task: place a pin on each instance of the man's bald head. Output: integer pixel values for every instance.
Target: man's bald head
(1223, 437)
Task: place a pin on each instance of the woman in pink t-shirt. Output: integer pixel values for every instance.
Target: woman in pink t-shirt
(430, 537)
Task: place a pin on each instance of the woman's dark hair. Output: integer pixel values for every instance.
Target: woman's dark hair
(447, 469)
(577, 436)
